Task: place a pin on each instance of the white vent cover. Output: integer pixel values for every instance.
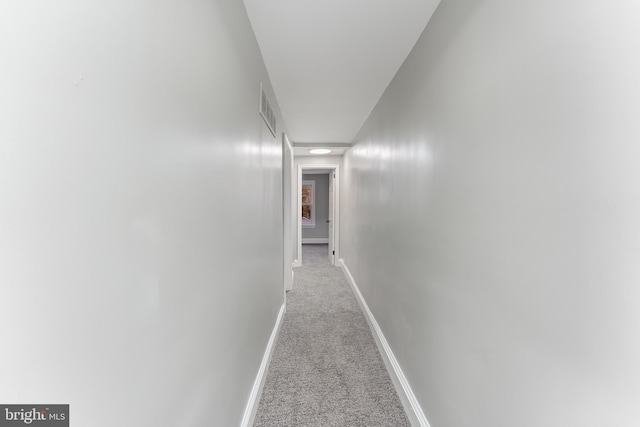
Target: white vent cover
(267, 112)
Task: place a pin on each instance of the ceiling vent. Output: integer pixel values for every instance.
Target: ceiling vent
(267, 112)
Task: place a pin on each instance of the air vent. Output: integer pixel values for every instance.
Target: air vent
(267, 112)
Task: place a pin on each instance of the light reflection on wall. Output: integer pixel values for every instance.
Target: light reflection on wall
(391, 172)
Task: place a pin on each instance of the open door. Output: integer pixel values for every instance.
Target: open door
(287, 218)
(334, 210)
(332, 249)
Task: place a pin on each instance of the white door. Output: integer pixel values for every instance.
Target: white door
(332, 250)
(287, 203)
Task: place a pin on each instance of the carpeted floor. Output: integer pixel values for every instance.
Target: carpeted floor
(326, 370)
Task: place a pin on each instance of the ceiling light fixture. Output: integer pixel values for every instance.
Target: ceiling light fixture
(320, 151)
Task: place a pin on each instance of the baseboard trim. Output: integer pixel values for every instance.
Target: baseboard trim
(256, 392)
(289, 285)
(315, 240)
(408, 399)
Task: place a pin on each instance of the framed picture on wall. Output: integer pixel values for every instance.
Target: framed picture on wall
(308, 204)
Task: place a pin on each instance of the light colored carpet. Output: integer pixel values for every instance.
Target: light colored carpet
(326, 370)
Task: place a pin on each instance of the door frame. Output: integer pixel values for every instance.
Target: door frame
(336, 208)
(288, 223)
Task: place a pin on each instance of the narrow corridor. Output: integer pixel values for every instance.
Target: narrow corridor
(326, 369)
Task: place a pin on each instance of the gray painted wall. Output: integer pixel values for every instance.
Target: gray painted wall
(497, 192)
(321, 229)
(134, 169)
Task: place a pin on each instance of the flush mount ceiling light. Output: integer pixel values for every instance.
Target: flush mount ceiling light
(320, 151)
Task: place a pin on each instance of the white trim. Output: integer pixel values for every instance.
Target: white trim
(298, 261)
(256, 392)
(408, 399)
(315, 240)
(287, 218)
(336, 208)
(295, 226)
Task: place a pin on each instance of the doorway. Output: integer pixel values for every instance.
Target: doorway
(308, 208)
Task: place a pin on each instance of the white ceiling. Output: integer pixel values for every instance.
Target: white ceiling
(330, 61)
(304, 151)
(316, 171)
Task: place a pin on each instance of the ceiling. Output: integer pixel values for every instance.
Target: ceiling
(304, 151)
(302, 148)
(316, 171)
(330, 61)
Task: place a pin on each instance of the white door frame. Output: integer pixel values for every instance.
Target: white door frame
(336, 208)
(331, 219)
(288, 222)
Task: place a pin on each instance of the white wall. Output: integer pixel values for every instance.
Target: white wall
(321, 230)
(134, 169)
(493, 199)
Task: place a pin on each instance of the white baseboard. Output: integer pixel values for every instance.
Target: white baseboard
(315, 240)
(254, 398)
(297, 263)
(408, 399)
(289, 285)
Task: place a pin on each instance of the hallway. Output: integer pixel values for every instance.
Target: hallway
(326, 369)
(487, 196)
